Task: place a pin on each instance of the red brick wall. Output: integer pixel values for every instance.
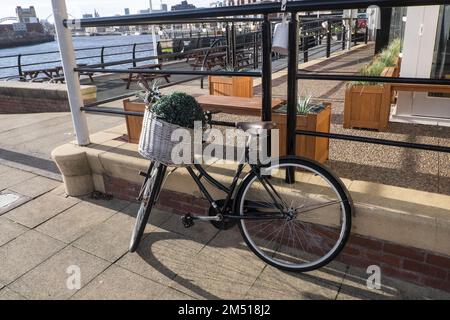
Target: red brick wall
(406, 263)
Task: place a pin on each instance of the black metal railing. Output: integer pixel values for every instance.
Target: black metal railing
(101, 52)
(266, 73)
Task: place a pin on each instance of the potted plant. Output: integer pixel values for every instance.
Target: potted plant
(230, 85)
(311, 117)
(367, 104)
(150, 94)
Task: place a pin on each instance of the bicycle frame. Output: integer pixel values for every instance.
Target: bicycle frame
(232, 188)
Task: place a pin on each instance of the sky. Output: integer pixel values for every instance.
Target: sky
(77, 7)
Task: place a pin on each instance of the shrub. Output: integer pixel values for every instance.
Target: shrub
(178, 108)
(386, 58)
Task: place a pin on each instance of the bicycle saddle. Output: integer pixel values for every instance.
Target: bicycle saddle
(256, 126)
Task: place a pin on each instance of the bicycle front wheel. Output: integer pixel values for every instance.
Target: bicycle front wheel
(149, 194)
(296, 219)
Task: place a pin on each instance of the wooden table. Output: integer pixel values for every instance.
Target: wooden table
(235, 105)
(214, 59)
(146, 76)
(50, 73)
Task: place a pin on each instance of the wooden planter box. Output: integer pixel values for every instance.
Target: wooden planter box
(367, 107)
(134, 123)
(231, 86)
(310, 147)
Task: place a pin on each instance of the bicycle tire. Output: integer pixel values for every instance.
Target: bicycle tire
(345, 211)
(151, 191)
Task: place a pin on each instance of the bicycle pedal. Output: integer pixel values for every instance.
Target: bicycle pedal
(187, 220)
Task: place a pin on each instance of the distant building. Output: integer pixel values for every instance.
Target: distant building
(26, 31)
(162, 9)
(184, 5)
(227, 3)
(19, 27)
(127, 11)
(26, 15)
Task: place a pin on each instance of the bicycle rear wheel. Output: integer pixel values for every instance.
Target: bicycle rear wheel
(149, 194)
(296, 224)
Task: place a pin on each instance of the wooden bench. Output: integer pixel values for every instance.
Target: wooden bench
(235, 105)
(213, 59)
(135, 76)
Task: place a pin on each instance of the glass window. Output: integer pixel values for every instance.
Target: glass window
(397, 29)
(441, 61)
(440, 69)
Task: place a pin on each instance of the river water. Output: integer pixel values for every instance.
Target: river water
(49, 59)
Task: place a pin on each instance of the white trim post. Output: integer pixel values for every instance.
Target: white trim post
(72, 81)
(154, 40)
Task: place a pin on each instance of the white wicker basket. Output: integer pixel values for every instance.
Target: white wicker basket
(156, 144)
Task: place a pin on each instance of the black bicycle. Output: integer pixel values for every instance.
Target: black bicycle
(293, 213)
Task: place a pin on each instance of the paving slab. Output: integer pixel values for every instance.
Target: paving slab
(3, 168)
(50, 279)
(10, 200)
(79, 219)
(275, 284)
(201, 231)
(224, 269)
(41, 209)
(354, 287)
(161, 256)
(110, 239)
(10, 230)
(8, 294)
(13, 176)
(120, 284)
(35, 187)
(24, 253)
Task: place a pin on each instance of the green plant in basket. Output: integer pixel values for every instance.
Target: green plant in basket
(178, 108)
(150, 92)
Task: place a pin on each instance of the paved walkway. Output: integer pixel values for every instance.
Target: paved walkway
(45, 236)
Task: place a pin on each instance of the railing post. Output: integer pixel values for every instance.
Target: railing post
(71, 77)
(266, 70)
(255, 50)
(102, 57)
(366, 35)
(233, 45)
(228, 41)
(305, 48)
(19, 65)
(292, 85)
(355, 38)
(328, 39)
(344, 34)
(292, 88)
(134, 55)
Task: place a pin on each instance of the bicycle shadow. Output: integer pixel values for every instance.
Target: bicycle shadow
(328, 278)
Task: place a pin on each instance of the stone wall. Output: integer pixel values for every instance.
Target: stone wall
(28, 97)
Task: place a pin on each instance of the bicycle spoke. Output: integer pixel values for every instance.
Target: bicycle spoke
(310, 229)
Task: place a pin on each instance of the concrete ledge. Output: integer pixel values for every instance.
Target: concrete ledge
(398, 219)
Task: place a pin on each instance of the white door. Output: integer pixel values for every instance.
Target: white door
(421, 57)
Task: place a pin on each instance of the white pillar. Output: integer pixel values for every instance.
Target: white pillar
(154, 40)
(72, 81)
